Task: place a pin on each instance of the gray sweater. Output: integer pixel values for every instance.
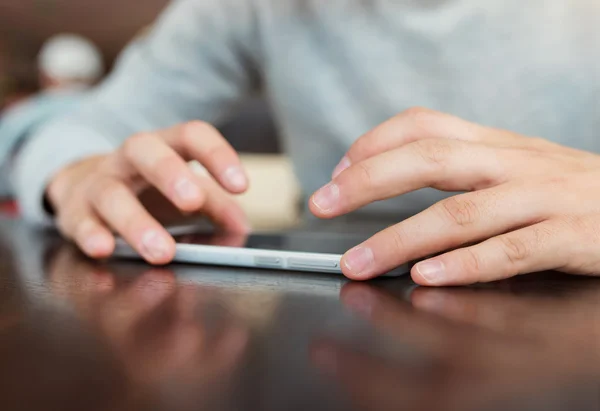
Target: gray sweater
(333, 69)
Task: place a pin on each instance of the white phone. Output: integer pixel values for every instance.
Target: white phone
(293, 250)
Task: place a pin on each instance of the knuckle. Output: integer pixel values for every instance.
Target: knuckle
(515, 249)
(461, 211)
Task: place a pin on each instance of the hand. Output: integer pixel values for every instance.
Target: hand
(474, 349)
(528, 205)
(98, 196)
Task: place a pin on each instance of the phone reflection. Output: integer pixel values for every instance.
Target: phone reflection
(175, 342)
(472, 348)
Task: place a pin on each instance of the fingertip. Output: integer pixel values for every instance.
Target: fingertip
(98, 245)
(429, 273)
(348, 273)
(417, 278)
(324, 202)
(316, 211)
(189, 195)
(235, 180)
(358, 263)
(157, 247)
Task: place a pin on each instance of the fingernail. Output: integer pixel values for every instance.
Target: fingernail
(187, 190)
(235, 176)
(343, 164)
(360, 301)
(359, 259)
(154, 245)
(432, 271)
(327, 197)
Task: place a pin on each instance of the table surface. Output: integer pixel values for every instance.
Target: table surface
(116, 335)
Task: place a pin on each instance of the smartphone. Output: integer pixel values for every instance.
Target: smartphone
(294, 250)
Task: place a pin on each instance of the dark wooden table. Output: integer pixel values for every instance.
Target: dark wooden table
(82, 335)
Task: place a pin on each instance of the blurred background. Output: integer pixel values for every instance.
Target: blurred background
(26, 26)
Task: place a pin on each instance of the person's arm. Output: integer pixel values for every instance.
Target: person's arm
(197, 63)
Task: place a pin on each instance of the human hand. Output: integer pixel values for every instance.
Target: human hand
(98, 196)
(529, 205)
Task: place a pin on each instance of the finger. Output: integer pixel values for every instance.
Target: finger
(201, 141)
(87, 231)
(162, 167)
(419, 124)
(453, 222)
(543, 246)
(442, 164)
(116, 204)
(222, 209)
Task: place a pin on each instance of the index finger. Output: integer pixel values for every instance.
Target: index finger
(202, 142)
(420, 124)
(407, 127)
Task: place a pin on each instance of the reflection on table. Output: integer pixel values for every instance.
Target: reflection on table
(115, 335)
